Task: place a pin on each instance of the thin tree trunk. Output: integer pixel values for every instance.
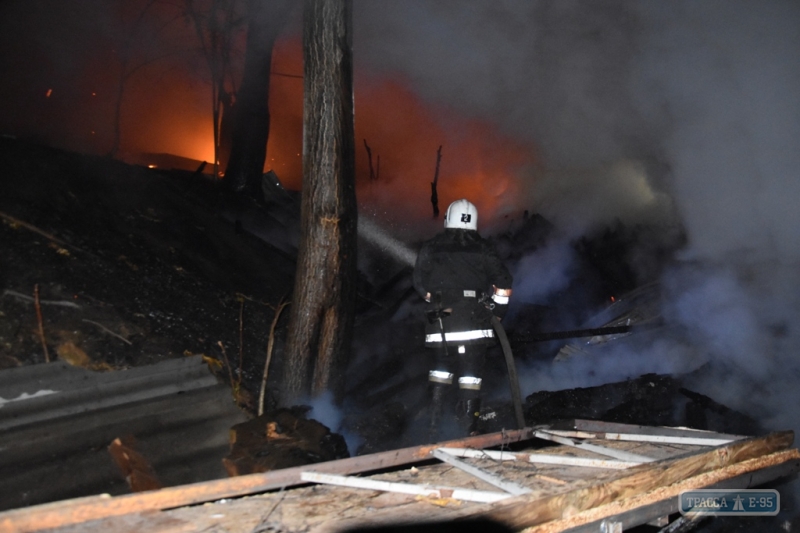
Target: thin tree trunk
(323, 305)
(215, 106)
(251, 112)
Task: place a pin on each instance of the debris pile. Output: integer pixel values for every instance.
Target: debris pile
(651, 399)
(281, 439)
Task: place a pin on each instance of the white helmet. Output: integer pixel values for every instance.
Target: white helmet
(461, 215)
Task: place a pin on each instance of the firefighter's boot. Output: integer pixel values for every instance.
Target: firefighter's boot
(437, 406)
(470, 415)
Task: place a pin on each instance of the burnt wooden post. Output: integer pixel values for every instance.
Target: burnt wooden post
(434, 183)
(323, 305)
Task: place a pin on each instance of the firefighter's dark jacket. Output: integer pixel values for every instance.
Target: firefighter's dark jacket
(460, 269)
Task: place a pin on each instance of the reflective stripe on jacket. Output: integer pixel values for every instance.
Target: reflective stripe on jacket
(458, 336)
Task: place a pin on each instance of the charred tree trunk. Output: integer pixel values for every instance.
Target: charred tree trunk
(216, 25)
(251, 112)
(434, 183)
(225, 140)
(323, 305)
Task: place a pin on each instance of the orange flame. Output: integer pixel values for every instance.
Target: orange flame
(478, 162)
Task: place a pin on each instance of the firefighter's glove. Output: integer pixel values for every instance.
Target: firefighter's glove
(500, 298)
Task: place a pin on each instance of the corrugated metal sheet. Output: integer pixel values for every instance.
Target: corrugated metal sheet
(56, 422)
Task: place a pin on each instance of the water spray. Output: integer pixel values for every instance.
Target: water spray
(377, 236)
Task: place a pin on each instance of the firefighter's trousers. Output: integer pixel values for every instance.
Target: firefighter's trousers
(461, 367)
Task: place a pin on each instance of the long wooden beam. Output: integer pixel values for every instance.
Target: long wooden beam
(526, 510)
(480, 473)
(621, 455)
(58, 514)
(598, 426)
(635, 437)
(566, 460)
(430, 491)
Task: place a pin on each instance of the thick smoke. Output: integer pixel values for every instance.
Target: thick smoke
(556, 73)
(678, 113)
(541, 273)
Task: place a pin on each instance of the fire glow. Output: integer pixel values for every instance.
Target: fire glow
(478, 162)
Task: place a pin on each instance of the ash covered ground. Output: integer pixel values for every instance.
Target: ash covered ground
(132, 266)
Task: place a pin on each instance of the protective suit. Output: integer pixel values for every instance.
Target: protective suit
(464, 283)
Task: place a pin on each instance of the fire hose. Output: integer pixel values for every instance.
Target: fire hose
(513, 380)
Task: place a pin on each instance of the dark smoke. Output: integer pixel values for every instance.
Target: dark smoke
(681, 114)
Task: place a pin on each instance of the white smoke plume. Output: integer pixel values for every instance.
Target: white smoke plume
(547, 270)
(683, 113)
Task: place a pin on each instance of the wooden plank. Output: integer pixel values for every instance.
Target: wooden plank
(662, 501)
(525, 511)
(565, 460)
(456, 493)
(347, 513)
(598, 426)
(635, 437)
(602, 450)
(326, 509)
(47, 516)
(529, 510)
(504, 484)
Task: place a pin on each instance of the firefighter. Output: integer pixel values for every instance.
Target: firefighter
(464, 282)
